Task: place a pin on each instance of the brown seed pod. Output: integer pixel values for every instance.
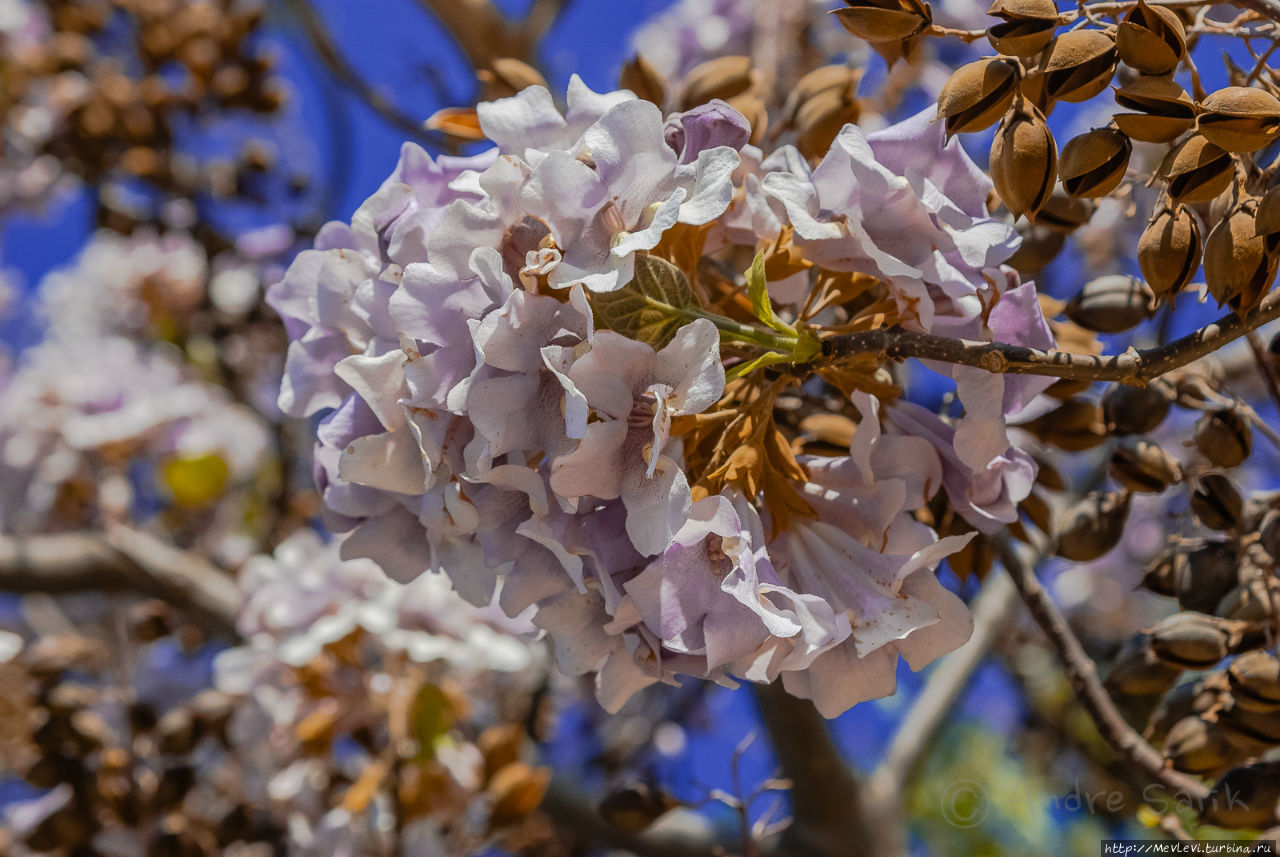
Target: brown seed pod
(1216, 501)
(978, 94)
(1024, 160)
(1255, 681)
(1093, 164)
(1028, 26)
(1164, 110)
(633, 808)
(1205, 575)
(1245, 797)
(1191, 641)
(1240, 118)
(1196, 746)
(1065, 213)
(639, 76)
(1238, 268)
(507, 76)
(1253, 730)
(1093, 526)
(1137, 671)
(1141, 465)
(1186, 700)
(1136, 410)
(1112, 304)
(823, 102)
(1163, 571)
(1151, 39)
(1040, 246)
(1078, 65)
(885, 20)
(1074, 426)
(1267, 219)
(1197, 171)
(1224, 437)
(723, 77)
(1248, 602)
(1169, 251)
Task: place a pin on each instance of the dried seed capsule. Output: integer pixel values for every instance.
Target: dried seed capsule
(1189, 699)
(1266, 221)
(1245, 797)
(1074, 426)
(1269, 534)
(1151, 39)
(1240, 118)
(1136, 410)
(1197, 171)
(884, 20)
(1195, 746)
(639, 76)
(723, 77)
(1255, 681)
(1163, 572)
(1248, 602)
(1078, 65)
(1141, 465)
(1224, 437)
(507, 77)
(1164, 110)
(1137, 671)
(1112, 304)
(635, 807)
(1251, 730)
(978, 94)
(1192, 641)
(1028, 26)
(1093, 526)
(823, 102)
(1040, 246)
(1169, 251)
(1024, 160)
(1065, 213)
(1206, 575)
(1093, 164)
(1216, 502)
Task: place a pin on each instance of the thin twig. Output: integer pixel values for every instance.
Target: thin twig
(573, 812)
(1133, 367)
(327, 49)
(480, 31)
(1083, 676)
(121, 560)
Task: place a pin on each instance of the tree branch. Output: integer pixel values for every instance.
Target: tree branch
(574, 813)
(1083, 676)
(327, 49)
(479, 30)
(826, 807)
(121, 560)
(1132, 367)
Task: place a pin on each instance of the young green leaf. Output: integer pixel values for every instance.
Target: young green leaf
(758, 291)
(652, 307)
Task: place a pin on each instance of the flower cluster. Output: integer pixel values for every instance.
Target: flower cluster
(525, 352)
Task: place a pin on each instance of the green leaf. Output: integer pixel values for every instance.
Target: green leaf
(431, 717)
(758, 291)
(650, 308)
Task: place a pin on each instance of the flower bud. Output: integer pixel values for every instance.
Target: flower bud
(1238, 269)
(1028, 26)
(885, 20)
(1169, 251)
(1136, 410)
(822, 103)
(1141, 465)
(1112, 304)
(1255, 681)
(978, 94)
(1224, 437)
(639, 76)
(1093, 526)
(1151, 39)
(1192, 641)
(723, 77)
(1197, 171)
(1024, 160)
(1078, 65)
(1216, 501)
(1244, 797)
(1164, 110)
(1240, 118)
(1093, 164)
